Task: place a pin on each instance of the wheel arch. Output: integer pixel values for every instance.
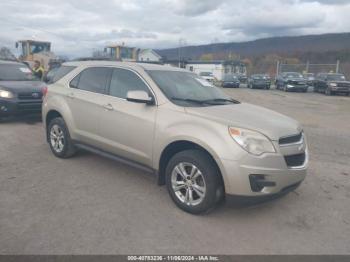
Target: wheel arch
(177, 146)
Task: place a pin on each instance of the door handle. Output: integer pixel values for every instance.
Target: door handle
(108, 107)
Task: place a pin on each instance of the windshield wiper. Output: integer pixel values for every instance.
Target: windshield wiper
(218, 100)
(189, 100)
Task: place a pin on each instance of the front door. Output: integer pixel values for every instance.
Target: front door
(128, 127)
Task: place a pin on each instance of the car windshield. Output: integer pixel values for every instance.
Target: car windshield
(293, 75)
(260, 76)
(206, 74)
(188, 89)
(336, 77)
(16, 72)
(230, 78)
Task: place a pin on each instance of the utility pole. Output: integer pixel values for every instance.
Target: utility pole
(182, 41)
(337, 69)
(278, 68)
(307, 66)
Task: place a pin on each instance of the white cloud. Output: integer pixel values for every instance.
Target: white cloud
(77, 27)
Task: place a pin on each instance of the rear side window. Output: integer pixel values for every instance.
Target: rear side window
(92, 79)
(61, 72)
(124, 80)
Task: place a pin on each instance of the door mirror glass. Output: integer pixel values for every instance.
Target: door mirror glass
(139, 96)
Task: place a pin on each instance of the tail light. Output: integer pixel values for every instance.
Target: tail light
(44, 91)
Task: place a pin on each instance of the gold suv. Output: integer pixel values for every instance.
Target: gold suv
(201, 143)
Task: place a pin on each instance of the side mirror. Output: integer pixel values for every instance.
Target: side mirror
(139, 96)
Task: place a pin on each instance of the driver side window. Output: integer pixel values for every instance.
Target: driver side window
(123, 81)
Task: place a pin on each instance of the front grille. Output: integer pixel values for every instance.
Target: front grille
(30, 95)
(295, 160)
(290, 139)
(343, 84)
(29, 106)
(298, 83)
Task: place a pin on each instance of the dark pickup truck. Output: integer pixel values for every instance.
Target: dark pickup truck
(330, 84)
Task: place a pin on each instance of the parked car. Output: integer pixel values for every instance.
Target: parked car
(20, 91)
(291, 81)
(310, 79)
(242, 78)
(230, 81)
(207, 76)
(201, 143)
(331, 84)
(259, 81)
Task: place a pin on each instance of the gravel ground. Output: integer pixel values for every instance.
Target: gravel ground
(92, 205)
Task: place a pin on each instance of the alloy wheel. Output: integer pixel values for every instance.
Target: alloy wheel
(57, 139)
(188, 184)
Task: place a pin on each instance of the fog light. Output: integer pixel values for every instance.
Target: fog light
(258, 182)
(3, 108)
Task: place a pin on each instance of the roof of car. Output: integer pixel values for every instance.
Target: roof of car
(10, 62)
(144, 66)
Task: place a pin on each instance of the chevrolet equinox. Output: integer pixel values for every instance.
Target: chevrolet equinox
(201, 143)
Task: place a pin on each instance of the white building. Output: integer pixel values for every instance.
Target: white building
(149, 55)
(217, 67)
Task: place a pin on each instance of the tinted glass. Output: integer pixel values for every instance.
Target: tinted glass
(293, 75)
(182, 87)
(15, 72)
(336, 77)
(123, 81)
(94, 79)
(60, 72)
(230, 78)
(205, 74)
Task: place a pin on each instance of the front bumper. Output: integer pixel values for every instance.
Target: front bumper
(340, 89)
(230, 84)
(261, 84)
(292, 87)
(263, 175)
(11, 107)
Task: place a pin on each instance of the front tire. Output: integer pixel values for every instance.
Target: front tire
(328, 92)
(194, 182)
(59, 139)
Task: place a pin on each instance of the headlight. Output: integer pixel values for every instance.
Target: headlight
(252, 141)
(333, 84)
(6, 94)
(290, 86)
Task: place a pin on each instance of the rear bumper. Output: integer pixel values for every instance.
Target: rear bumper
(19, 107)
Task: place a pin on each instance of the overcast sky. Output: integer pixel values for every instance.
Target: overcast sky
(77, 27)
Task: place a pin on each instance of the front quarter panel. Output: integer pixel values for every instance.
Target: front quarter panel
(177, 125)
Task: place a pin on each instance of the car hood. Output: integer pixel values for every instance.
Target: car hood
(270, 123)
(296, 79)
(339, 82)
(22, 86)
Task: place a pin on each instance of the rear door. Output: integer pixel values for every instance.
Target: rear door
(128, 127)
(85, 99)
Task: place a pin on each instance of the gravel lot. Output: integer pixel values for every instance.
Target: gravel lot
(92, 205)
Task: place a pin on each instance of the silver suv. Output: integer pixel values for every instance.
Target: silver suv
(200, 142)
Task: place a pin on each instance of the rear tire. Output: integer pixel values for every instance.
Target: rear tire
(59, 139)
(194, 182)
